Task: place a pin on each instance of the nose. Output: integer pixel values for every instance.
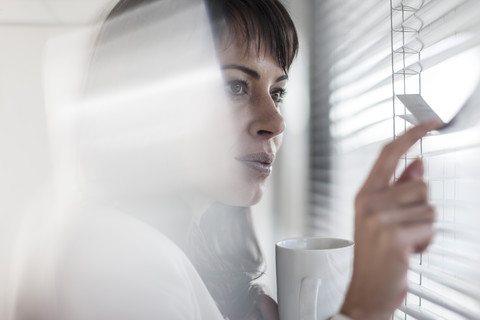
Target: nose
(267, 122)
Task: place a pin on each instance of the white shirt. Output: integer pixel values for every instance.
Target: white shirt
(116, 267)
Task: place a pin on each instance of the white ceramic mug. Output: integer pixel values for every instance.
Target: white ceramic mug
(312, 276)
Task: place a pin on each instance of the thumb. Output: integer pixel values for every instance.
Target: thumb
(413, 172)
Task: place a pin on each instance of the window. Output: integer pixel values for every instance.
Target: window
(364, 53)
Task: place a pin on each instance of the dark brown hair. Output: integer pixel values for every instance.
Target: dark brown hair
(226, 254)
(265, 24)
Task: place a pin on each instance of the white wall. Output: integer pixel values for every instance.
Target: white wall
(24, 154)
(25, 163)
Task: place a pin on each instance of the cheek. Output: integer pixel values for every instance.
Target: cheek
(278, 141)
(225, 179)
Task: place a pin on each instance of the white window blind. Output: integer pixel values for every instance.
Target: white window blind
(364, 53)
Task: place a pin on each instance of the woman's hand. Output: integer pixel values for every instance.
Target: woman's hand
(393, 220)
(268, 307)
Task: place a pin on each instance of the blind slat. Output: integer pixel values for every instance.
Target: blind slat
(417, 312)
(442, 301)
(455, 283)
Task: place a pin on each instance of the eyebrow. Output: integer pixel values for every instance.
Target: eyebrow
(251, 72)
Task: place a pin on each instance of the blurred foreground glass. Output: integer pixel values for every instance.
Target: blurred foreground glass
(140, 116)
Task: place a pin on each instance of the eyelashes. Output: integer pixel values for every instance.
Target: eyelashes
(238, 88)
(279, 94)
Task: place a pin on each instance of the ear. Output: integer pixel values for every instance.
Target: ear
(413, 172)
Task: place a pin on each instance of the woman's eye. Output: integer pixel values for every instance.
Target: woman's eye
(236, 88)
(278, 95)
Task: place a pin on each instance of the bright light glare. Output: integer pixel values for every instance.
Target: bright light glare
(447, 86)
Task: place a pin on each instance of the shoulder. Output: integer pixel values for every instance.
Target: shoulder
(117, 267)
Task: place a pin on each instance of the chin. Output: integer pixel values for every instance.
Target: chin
(254, 199)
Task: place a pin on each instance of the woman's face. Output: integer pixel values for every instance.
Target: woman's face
(255, 86)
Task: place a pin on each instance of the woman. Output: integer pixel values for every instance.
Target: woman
(254, 43)
(181, 245)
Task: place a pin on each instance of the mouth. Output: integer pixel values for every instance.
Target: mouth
(261, 162)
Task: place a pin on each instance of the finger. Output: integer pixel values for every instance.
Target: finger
(416, 236)
(414, 171)
(386, 163)
(268, 307)
(423, 214)
(399, 195)
(421, 247)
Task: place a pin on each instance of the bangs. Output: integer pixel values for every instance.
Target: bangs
(264, 24)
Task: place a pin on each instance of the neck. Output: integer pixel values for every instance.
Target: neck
(198, 205)
(173, 215)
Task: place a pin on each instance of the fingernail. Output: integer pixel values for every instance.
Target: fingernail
(434, 124)
(418, 169)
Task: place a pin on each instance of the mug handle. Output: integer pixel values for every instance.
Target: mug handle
(308, 298)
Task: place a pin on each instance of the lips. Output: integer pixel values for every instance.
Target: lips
(261, 162)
